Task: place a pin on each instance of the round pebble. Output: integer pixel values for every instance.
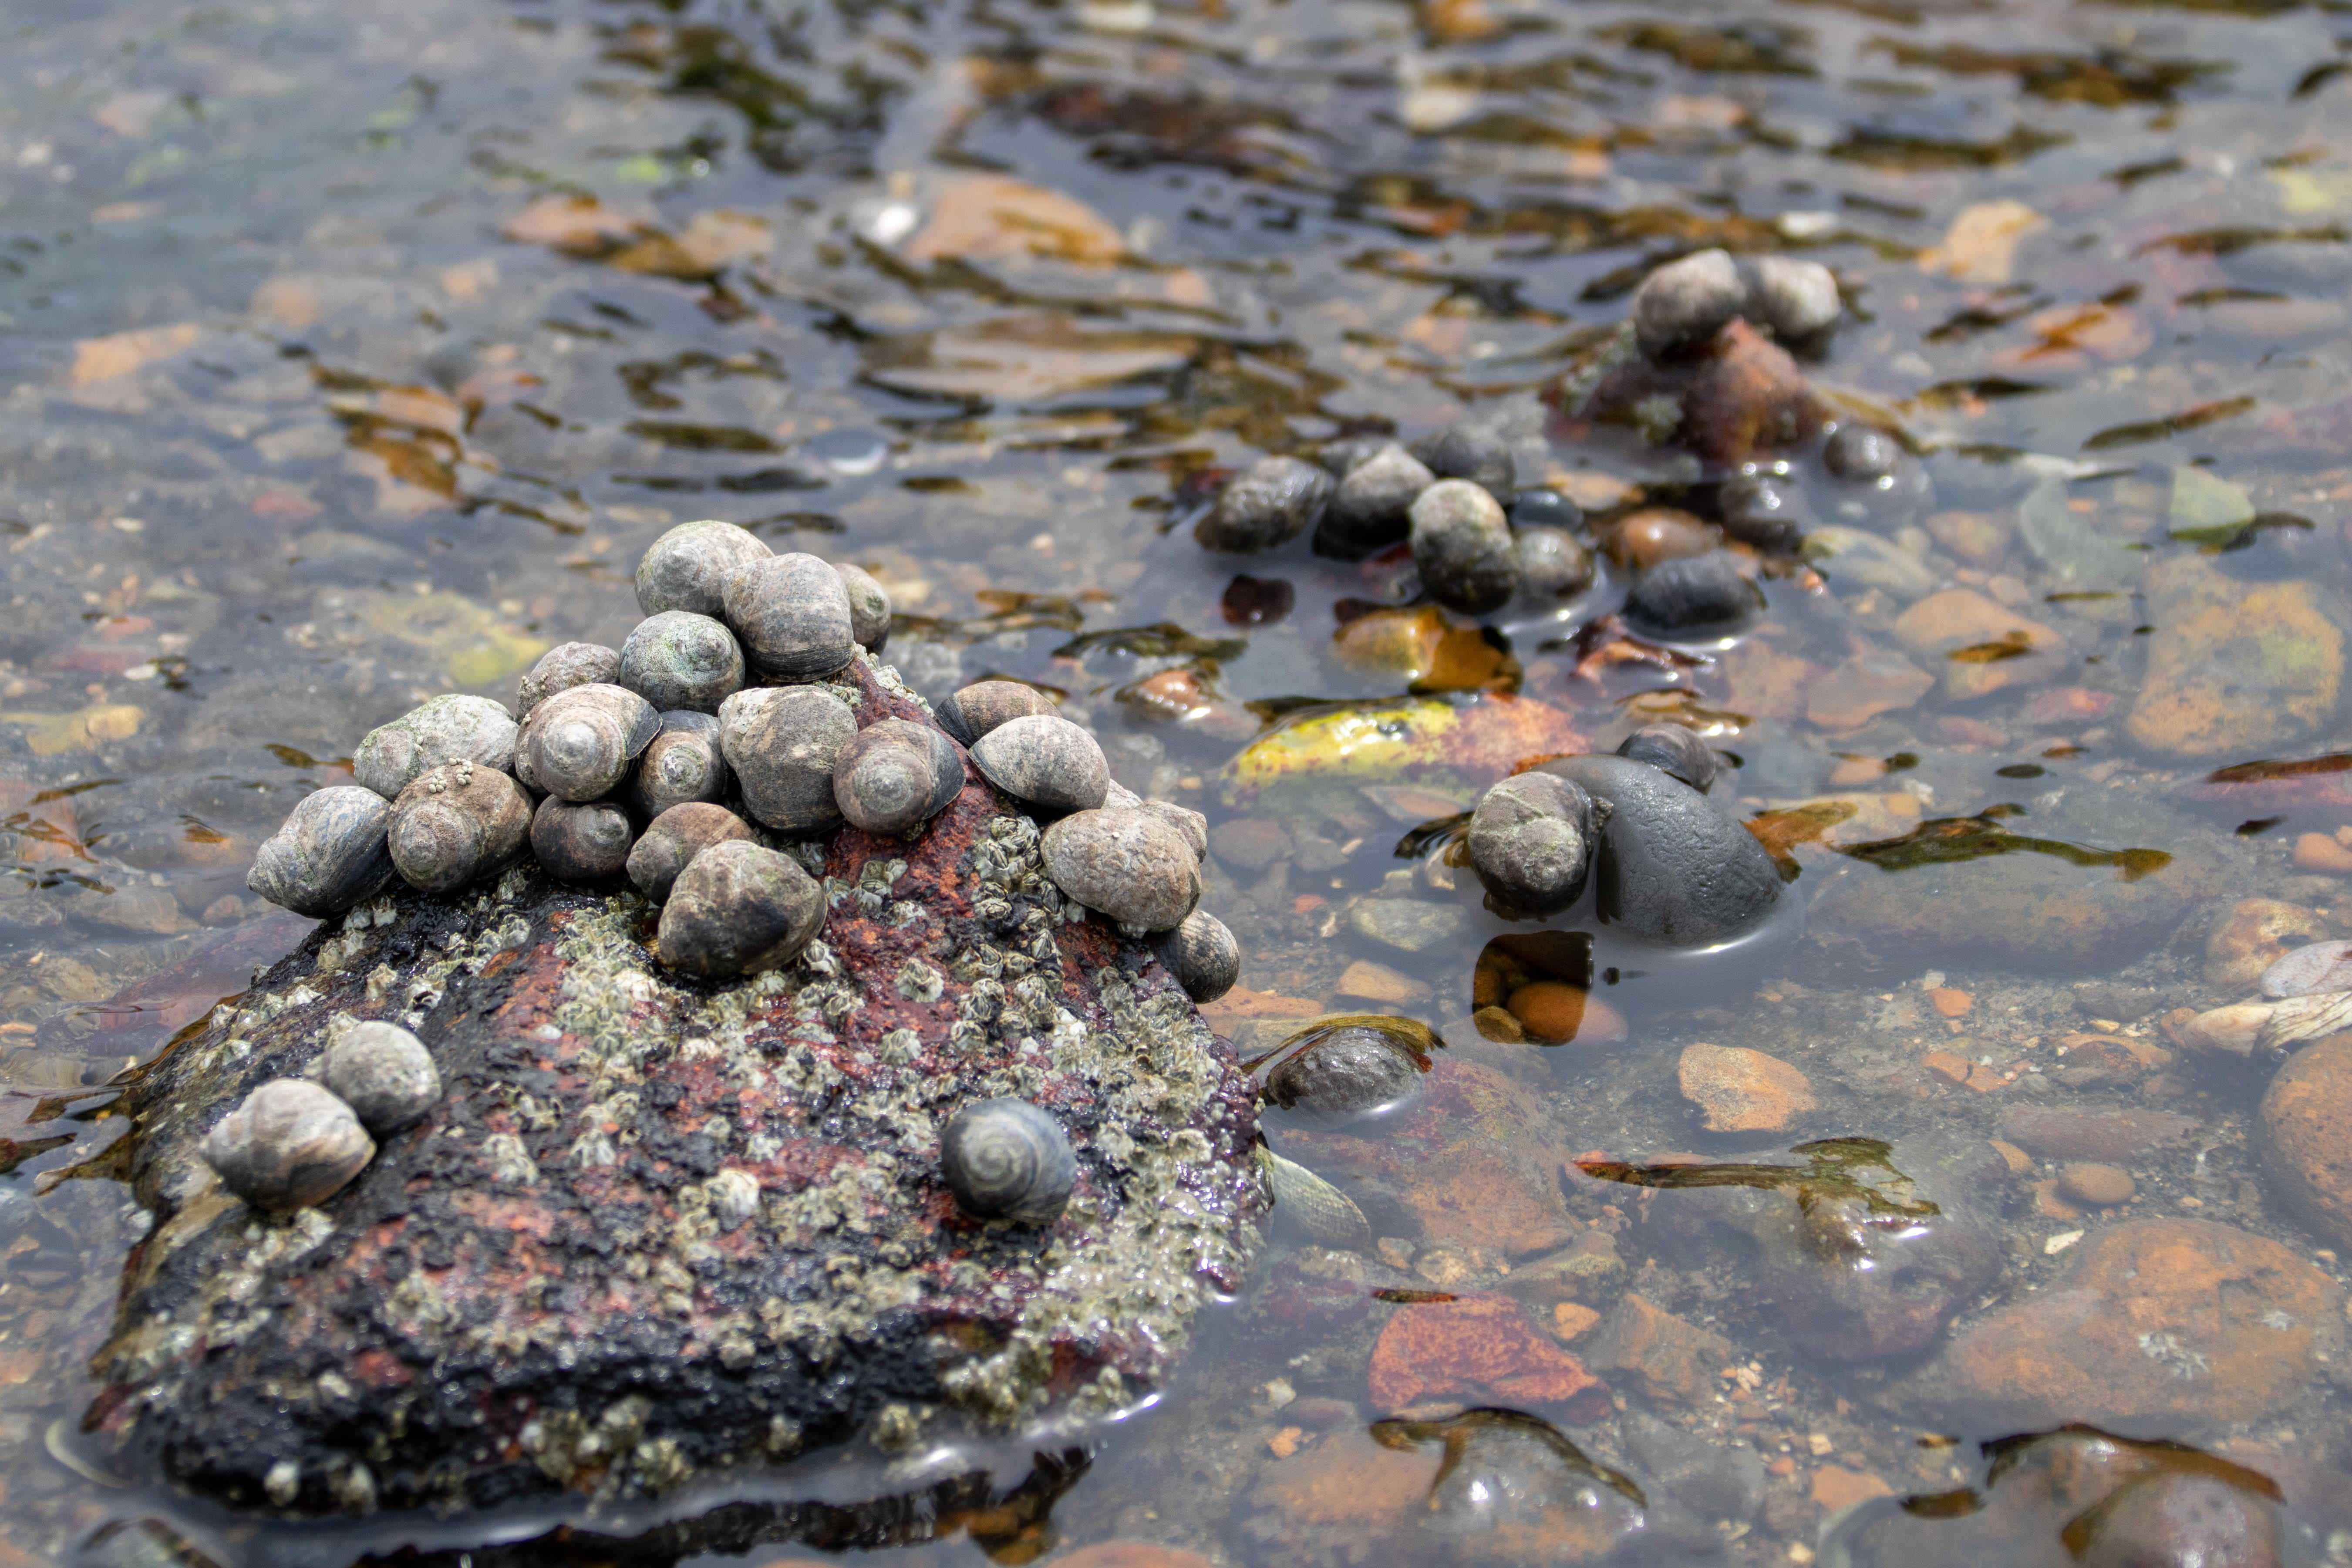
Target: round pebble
(383, 1073)
(689, 567)
(1552, 565)
(896, 776)
(288, 1146)
(791, 613)
(564, 667)
(1703, 594)
(1461, 547)
(1654, 534)
(581, 841)
(328, 855)
(739, 909)
(984, 704)
(1339, 458)
(1371, 507)
(443, 729)
(1462, 451)
(2099, 1186)
(1766, 511)
(1684, 303)
(1268, 504)
(1044, 761)
(1128, 865)
(1546, 508)
(1347, 1076)
(1202, 955)
(1531, 841)
(2308, 970)
(781, 742)
(2180, 1518)
(1676, 750)
(672, 840)
(1862, 453)
(1554, 1013)
(682, 764)
(679, 659)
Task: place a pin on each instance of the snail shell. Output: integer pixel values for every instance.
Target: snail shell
(1043, 759)
(981, 707)
(793, 614)
(739, 909)
(1183, 820)
(1129, 864)
(383, 1073)
(682, 764)
(329, 854)
(562, 667)
(895, 776)
(288, 1146)
(680, 660)
(581, 841)
(1674, 749)
(456, 823)
(579, 743)
(443, 729)
(1462, 548)
(1269, 503)
(675, 838)
(1531, 842)
(688, 568)
(783, 742)
(869, 606)
(1323, 1214)
(1005, 1159)
(1202, 955)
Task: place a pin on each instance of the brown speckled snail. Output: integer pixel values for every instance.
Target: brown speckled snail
(984, 704)
(896, 776)
(1044, 761)
(456, 823)
(688, 568)
(580, 743)
(443, 730)
(581, 841)
(328, 855)
(1005, 1159)
(739, 909)
(288, 1146)
(783, 742)
(791, 613)
(682, 763)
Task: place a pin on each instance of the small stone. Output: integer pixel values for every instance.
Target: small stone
(739, 909)
(1270, 503)
(1370, 510)
(288, 1146)
(869, 606)
(1643, 538)
(328, 855)
(564, 667)
(1746, 397)
(1737, 1089)
(1684, 303)
(1982, 646)
(444, 730)
(1409, 925)
(2306, 971)
(1546, 508)
(895, 776)
(1861, 453)
(2306, 1135)
(1714, 1479)
(1479, 1350)
(1553, 1013)
(1552, 565)
(679, 659)
(781, 744)
(1766, 511)
(2236, 669)
(1836, 1488)
(981, 707)
(1378, 982)
(2253, 934)
(1183, 818)
(1696, 594)
(1796, 301)
(1044, 761)
(1128, 865)
(1341, 457)
(1344, 1077)
(2063, 1132)
(1674, 749)
(792, 613)
(1461, 547)
(1251, 843)
(689, 567)
(2183, 1519)
(2098, 1186)
(1653, 1352)
(1202, 955)
(1531, 842)
(1976, 538)
(1856, 558)
(383, 1073)
(673, 839)
(1463, 451)
(582, 841)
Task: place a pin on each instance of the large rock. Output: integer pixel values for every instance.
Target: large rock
(656, 1230)
(1671, 866)
(2307, 1135)
(2236, 669)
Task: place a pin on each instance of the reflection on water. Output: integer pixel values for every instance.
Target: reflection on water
(355, 353)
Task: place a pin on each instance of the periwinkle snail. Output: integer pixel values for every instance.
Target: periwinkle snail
(288, 1146)
(673, 839)
(581, 841)
(679, 659)
(1674, 749)
(328, 855)
(1346, 1074)
(783, 742)
(1202, 954)
(739, 909)
(896, 776)
(689, 567)
(564, 667)
(443, 730)
(456, 823)
(1043, 759)
(683, 763)
(383, 1073)
(579, 743)
(793, 615)
(1005, 1159)
(869, 606)
(1531, 841)
(981, 707)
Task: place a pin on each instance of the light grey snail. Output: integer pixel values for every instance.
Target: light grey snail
(1006, 1159)
(1531, 842)
(443, 730)
(687, 567)
(288, 1144)
(975, 710)
(869, 606)
(1043, 759)
(793, 615)
(383, 1073)
(679, 659)
(561, 668)
(328, 855)
(783, 742)
(581, 743)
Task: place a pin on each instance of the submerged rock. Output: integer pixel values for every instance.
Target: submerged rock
(655, 1228)
(1671, 867)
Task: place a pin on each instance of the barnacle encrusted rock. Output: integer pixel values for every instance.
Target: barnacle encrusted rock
(656, 1230)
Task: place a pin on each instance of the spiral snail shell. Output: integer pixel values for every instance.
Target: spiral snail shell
(581, 841)
(1005, 1159)
(688, 568)
(561, 668)
(675, 838)
(679, 659)
(450, 729)
(895, 776)
(288, 1144)
(1531, 842)
(456, 824)
(1043, 759)
(1674, 749)
(783, 742)
(793, 614)
(579, 743)
(383, 1073)
(682, 764)
(869, 606)
(329, 854)
(1202, 954)
(981, 707)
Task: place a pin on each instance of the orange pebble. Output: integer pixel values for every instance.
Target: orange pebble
(2319, 852)
(1950, 1003)
(1557, 1013)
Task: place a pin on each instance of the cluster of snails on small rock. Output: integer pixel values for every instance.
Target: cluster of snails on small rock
(294, 1142)
(675, 761)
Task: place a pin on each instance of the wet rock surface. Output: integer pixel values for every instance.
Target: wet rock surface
(655, 1230)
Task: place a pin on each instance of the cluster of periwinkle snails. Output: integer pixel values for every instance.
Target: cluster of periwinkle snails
(294, 1142)
(663, 760)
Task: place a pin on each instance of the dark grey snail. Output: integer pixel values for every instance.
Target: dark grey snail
(739, 909)
(673, 839)
(688, 568)
(1043, 759)
(581, 841)
(288, 1146)
(981, 707)
(1531, 841)
(1674, 749)
(680, 660)
(895, 776)
(579, 743)
(383, 1073)
(456, 823)
(682, 763)
(1005, 1159)
(564, 667)
(791, 613)
(443, 729)
(869, 606)
(783, 742)
(1461, 547)
(328, 855)
(1202, 954)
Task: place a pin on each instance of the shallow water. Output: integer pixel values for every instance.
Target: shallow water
(354, 352)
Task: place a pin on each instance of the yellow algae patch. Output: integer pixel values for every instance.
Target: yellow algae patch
(50, 734)
(1420, 737)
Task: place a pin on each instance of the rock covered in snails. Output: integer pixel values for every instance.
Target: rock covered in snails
(1006, 1159)
(288, 1146)
(679, 659)
(781, 741)
(564, 667)
(580, 743)
(981, 707)
(443, 730)
(739, 909)
(1043, 759)
(689, 567)
(1531, 840)
(683, 763)
(383, 1073)
(673, 839)
(895, 776)
(793, 615)
(581, 841)
(456, 823)
(328, 855)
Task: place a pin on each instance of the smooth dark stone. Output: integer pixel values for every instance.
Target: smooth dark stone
(1672, 867)
(1766, 511)
(1704, 594)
